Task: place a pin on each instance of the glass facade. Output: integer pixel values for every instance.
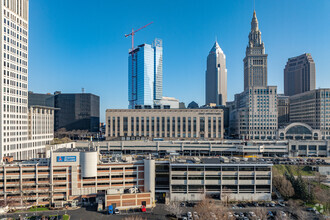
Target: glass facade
(145, 75)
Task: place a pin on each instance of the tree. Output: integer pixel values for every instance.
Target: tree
(174, 208)
(319, 178)
(207, 209)
(261, 213)
(283, 185)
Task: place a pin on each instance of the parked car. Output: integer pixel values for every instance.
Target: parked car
(252, 214)
(117, 211)
(143, 209)
(281, 204)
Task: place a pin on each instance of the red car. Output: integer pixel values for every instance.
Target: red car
(143, 209)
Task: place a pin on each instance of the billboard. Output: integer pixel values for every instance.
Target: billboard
(66, 159)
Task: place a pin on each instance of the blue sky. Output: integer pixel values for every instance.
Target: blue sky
(75, 44)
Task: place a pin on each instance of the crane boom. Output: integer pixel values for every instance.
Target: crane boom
(134, 31)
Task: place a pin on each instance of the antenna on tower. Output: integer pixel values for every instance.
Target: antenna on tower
(254, 5)
(82, 90)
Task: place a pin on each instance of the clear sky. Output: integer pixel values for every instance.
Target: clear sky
(75, 44)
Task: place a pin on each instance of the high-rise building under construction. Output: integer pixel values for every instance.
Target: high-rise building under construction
(145, 75)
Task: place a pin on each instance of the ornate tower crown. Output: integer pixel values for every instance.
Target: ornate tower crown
(255, 34)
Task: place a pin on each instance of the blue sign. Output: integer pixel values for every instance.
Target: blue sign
(66, 159)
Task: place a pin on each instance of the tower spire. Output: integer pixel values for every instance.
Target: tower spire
(254, 22)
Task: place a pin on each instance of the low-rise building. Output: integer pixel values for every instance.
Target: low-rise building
(211, 148)
(72, 175)
(227, 181)
(170, 124)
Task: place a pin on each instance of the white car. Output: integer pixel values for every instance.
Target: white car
(252, 214)
(283, 214)
(230, 215)
(189, 214)
(117, 211)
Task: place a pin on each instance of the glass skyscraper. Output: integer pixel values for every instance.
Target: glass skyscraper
(145, 75)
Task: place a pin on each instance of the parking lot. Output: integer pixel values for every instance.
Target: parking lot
(240, 211)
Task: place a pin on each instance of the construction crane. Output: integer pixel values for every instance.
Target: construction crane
(133, 73)
(133, 33)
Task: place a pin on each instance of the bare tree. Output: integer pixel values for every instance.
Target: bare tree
(320, 178)
(174, 208)
(261, 212)
(207, 209)
(226, 195)
(283, 185)
(296, 209)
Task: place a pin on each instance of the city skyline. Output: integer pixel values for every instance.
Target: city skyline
(231, 34)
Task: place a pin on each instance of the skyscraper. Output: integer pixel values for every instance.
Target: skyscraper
(255, 61)
(299, 75)
(254, 112)
(145, 75)
(216, 77)
(77, 111)
(14, 79)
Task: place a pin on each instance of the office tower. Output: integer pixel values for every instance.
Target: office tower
(299, 75)
(145, 75)
(255, 61)
(254, 112)
(77, 111)
(216, 77)
(311, 108)
(14, 80)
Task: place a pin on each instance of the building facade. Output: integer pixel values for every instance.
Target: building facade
(283, 109)
(312, 108)
(74, 175)
(145, 74)
(39, 99)
(216, 77)
(299, 75)
(77, 111)
(230, 182)
(136, 124)
(40, 128)
(14, 110)
(255, 61)
(254, 115)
